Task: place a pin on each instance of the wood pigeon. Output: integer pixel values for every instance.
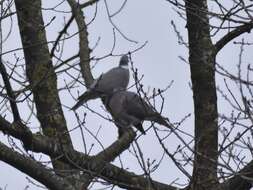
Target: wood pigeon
(129, 109)
(115, 79)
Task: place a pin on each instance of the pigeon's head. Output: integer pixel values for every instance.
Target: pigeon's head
(124, 61)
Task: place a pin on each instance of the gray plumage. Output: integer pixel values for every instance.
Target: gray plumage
(129, 109)
(115, 79)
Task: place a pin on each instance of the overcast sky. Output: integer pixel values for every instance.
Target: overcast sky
(158, 61)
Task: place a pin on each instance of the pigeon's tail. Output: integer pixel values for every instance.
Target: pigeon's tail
(160, 119)
(88, 95)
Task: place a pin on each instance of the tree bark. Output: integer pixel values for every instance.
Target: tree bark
(202, 59)
(97, 165)
(42, 78)
(33, 169)
(83, 42)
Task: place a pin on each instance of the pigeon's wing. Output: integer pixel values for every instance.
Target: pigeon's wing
(120, 111)
(116, 104)
(136, 106)
(116, 78)
(127, 106)
(117, 108)
(96, 82)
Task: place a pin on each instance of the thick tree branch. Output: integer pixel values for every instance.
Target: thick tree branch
(114, 150)
(201, 59)
(110, 153)
(242, 180)
(83, 42)
(42, 144)
(33, 169)
(43, 80)
(39, 69)
(232, 35)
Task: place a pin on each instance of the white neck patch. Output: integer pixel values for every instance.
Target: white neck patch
(124, 67)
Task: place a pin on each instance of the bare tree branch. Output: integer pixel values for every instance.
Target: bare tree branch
(61, 33)
(232, 35)
(10, 93)
(33, 169)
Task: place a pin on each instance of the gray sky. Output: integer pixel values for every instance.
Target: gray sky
(158, 61)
